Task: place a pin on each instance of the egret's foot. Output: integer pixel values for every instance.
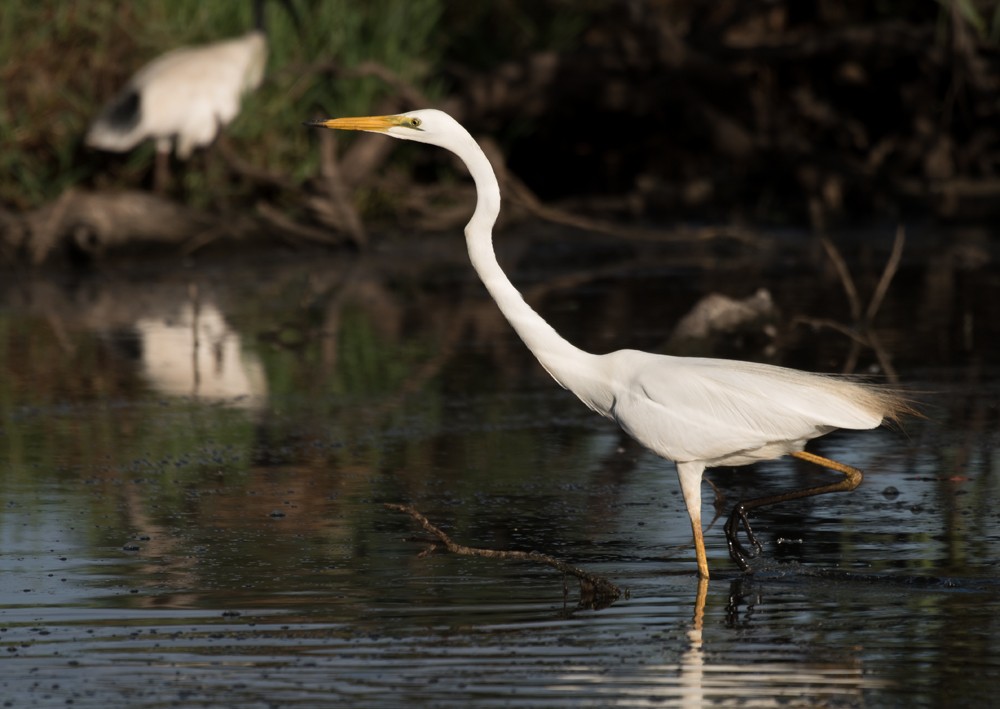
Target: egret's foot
(737, 552)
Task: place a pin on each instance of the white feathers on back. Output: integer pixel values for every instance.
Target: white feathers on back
(185, 95)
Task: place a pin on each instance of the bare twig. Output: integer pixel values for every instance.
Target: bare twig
(863, 333)
(407, 92)
(845, 277)
(595, 591)
(521, 195)
(840, 327)
(203, 238)
(718, 503)
(891, 266)
(256, 174)
(859, 339)
(337, 190)
(883, 356)
(287, 227)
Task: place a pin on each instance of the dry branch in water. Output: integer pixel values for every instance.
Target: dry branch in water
(863, 332)
(595, 591)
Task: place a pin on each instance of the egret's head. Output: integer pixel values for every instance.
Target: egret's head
(424, 126)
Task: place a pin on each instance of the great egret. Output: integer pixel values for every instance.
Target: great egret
(697, 412)
(184, 96)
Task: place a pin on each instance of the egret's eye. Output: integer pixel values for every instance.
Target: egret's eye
(414, 122)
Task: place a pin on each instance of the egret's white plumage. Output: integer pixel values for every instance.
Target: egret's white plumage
(185, 95)
(697, 412)
(727, 412)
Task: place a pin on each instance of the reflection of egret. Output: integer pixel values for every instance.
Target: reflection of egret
(185, 95)
(692, 665)
(713, 669)
(196, 353)
(695, 411)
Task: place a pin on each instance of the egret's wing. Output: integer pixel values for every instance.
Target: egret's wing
(710, 409)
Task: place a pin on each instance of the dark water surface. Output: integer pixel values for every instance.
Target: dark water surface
(194, 457)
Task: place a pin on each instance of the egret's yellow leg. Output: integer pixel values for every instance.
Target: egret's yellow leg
(690, 476)
(852, 478)
(699, 549)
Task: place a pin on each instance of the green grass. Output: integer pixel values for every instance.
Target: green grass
(61, 60)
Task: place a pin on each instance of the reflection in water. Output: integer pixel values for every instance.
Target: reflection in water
(160, 548)
(195, 353)
(693, 659)
(711, 671)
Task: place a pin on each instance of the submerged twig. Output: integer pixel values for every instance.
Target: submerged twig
(595, 591)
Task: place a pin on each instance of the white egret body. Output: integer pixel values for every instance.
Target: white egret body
(183, 96)
(697, 412)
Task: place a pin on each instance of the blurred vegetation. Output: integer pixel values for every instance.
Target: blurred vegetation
(62, 59)
(776, 112)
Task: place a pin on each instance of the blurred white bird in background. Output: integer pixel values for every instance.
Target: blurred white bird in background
(182, 98)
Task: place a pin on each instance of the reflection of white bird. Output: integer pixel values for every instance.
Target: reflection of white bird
(183, 97)
(695, 411)
(195, 353)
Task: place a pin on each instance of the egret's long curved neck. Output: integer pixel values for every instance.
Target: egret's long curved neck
(560, 358)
